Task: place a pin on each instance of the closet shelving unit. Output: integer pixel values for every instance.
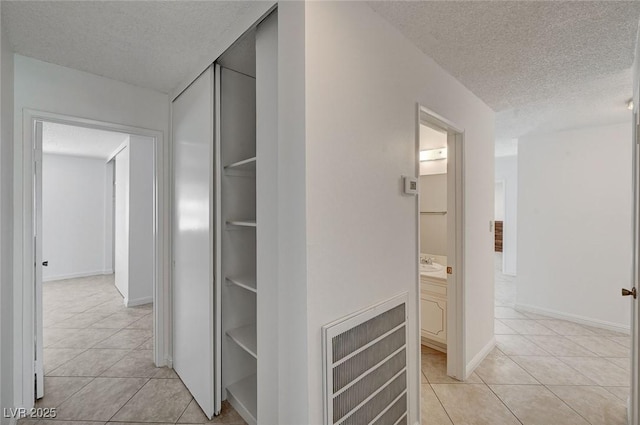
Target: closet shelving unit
(218, 283)
(237, 155)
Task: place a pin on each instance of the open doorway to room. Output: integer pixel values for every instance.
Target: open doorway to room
(94, 246)
(559, 322)
(505, 286)
(433, 237)
(505, 234)
(440, 236)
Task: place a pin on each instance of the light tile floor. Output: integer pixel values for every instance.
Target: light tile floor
(542, 372)
(99, 369)
(98, 362)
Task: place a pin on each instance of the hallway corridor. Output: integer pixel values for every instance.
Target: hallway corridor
(543, 371)
(98, 361)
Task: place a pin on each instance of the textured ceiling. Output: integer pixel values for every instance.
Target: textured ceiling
(542, 66)
(79, 141)
(153, 44)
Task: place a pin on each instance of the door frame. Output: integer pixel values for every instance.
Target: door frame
(24, 255)
(456, 358)
(633, 405)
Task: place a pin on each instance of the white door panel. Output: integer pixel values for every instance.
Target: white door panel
(194, 321)
(635, 325)
(39, 322)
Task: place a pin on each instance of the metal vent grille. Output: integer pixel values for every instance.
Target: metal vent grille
(365, 365)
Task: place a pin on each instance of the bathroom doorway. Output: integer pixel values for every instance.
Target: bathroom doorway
(440, 235)
(433, 237)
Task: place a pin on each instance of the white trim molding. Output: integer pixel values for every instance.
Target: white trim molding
(456, 335)
(582, 320)
(478, 358)
(137, 301)
(23, 288)
(77, 275)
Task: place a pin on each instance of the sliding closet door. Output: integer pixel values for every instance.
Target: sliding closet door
(195, 325)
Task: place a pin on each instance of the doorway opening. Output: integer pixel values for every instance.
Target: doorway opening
(82, 323)
(504, 275)
(440, 241)
(93, 200)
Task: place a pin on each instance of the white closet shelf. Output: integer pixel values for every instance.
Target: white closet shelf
(242, 223)
(248, 164)
(245, 337)
(245, 393)
(248, 283)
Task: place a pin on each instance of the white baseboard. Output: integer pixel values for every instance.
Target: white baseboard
(582, 320)
(77, 275)
(137, 301)
(433, 345)
(478, 358)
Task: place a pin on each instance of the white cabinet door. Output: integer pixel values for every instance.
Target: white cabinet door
(195, 322)
(434, 318)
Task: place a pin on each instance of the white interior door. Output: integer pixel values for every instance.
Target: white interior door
(196, 323)
(38, 264)
(635, 325)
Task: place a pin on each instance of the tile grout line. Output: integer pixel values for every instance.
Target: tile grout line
(568, 405)
(583, 385)
(71, 359)
(559, 358)
(565, 337)
(115, 331)
(440, 401)
(93, 378)
(186, 407)
(499, 399)
(130, 398)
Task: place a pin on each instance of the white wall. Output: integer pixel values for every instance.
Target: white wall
(134, 221)
(507, 171)
(433, 227)
(141, 194)
(108, 215)
(6, 222)
(288, 174)
(499, 201)
(46, 87)
(121, 222)
(574, 223)
(73, 226)
(363, 80)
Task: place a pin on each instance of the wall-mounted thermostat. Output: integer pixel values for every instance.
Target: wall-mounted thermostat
(410, 185)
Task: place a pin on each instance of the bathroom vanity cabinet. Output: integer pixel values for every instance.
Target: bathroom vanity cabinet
(433, 303)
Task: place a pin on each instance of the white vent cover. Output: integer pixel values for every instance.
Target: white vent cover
(365, 366)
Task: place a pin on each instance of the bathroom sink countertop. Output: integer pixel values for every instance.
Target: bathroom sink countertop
(434, 270)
